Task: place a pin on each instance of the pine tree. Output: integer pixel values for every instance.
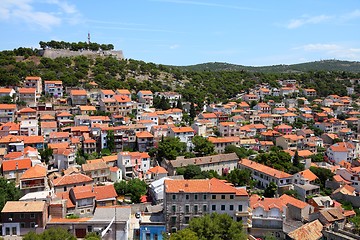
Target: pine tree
(296, 160)
(192, 111)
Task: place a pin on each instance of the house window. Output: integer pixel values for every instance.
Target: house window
(173, 208)
(82, 212)
(187, 208)
(204, 196)
(187, 196)
(32, 225)
(22, 215)
(213, 196)
(32, 215)
(173, 220)
(204, 208)
(22, 225)
(213, 207)
(239, 219)
(231, 196)
(240, 208)
(196, 209)
(186, 220)
(89, 228)
(196, 197)
(222, 196)
(231, 207)
(222, 207)
(88, 210)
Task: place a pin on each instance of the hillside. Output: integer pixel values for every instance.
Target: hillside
(325, 65)
(219, 82)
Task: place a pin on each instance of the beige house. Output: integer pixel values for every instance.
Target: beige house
(99, 171)
(186, 199)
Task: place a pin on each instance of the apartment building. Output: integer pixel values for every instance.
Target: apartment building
(221, 163)
(78, 97)
(186, 199)
(7, 112)
(54, 88)
(27, 95)
(264, 174)
(133, 164)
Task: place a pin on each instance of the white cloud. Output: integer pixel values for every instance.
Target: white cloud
(175, 46)
(352, 15)
(23, 11)
(295, 23)
(332, 50)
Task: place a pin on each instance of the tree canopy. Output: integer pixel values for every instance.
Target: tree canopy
(134, 187)
(211, 227)
(323, 174)
(202, 146)
(8, 192)
(50, 234)
(170, 148)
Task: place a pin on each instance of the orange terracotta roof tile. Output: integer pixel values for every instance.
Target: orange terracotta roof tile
(58, 145)
(27, 110)
(286, 199)
(264, 169)
(13, 155)
(87, 108)
(144, 134)
(36, 171)
(53, 82)
(82, 192)
(122, 98)
(107, 92)
(145, 92)
(27, 90)
(201, 185)
(123, 91)
(209, 115)
(182, 129)
(87, 167)
(54, 135)
(21, 164)
(307, 174)
(223, 139)
(47, 117)
(66, 196)
(52, 124)
(7, 106)
(5, 90)
(157, 170)
(72, 179)
(110, 158)
(78, 92)
(33, 78)
(266, 203)
(104, 192)
(63, 114)
(227, 124)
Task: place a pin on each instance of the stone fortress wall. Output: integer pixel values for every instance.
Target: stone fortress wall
(55, 53)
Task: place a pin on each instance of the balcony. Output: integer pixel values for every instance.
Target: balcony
(35, 185)
(247, 224)
(270, 218)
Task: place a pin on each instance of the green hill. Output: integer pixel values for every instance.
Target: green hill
(324, 65)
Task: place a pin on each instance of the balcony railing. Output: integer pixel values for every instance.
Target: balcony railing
(27, 186)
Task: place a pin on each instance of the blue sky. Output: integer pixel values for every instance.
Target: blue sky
(184, 32)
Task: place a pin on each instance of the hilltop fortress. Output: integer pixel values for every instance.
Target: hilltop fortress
(55, 53)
